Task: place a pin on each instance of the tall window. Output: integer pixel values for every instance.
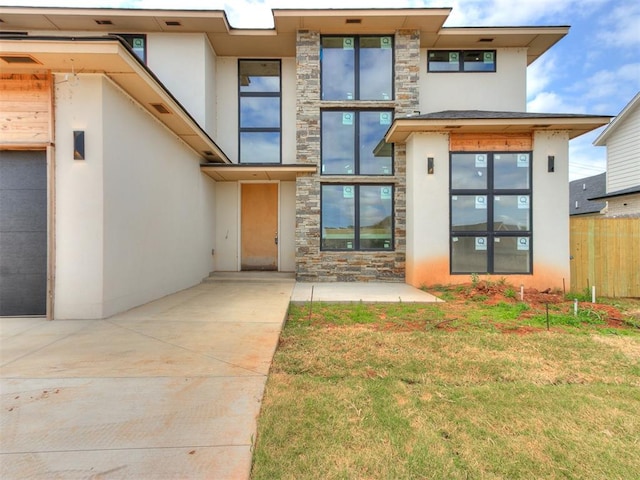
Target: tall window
(491, 213)
(260, 111)
(357, 68)
(357, 217)
(352, 142)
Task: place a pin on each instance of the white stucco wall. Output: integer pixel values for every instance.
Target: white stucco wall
(227, 226)
(227, 107)
(135, 221)
(185, 64)
(428, 213)
(79, 221)
(503, 90)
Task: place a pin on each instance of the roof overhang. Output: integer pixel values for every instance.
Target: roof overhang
(601, 141)
(402, 128)
(536, 40)
(263, 172)
(280, 40)
(111, 57)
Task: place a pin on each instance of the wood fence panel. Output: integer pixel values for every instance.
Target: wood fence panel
(606, 253)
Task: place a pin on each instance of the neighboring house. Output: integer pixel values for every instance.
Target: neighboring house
(622, 139)
(143, 149)
(580, 191)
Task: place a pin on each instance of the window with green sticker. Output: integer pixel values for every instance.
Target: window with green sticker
(352, 142)
(490, 212)
(357, 67)
(461, 60)
(357, 217)
(137, 42)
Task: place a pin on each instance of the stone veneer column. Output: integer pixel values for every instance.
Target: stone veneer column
(312, 264)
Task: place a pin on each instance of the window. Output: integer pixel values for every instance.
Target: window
(352, 142)
(137, 42)
(491, 213)
(462, 61)
(357, 217)
(260, 112)
(357, 68)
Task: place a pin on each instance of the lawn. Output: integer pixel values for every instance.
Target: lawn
(474, 388)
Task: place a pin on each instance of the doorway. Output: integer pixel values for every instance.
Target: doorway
(259, 226)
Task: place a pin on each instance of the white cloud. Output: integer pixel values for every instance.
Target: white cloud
(621, 28)
(541, 74)
(551, 102)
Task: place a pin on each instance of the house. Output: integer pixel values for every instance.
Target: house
(143, 149)
(622, 139)
(580, 192)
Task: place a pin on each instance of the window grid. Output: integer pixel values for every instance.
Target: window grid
(457, 61)
(265, 131)
(490, 233)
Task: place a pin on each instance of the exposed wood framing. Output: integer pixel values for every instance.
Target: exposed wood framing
(26, 110)
(487, 142)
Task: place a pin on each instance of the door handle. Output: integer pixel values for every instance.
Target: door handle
(276, 238)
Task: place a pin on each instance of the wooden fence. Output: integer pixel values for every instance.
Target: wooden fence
(606, 253)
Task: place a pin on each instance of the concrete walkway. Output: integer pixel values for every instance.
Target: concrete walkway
(169, 390)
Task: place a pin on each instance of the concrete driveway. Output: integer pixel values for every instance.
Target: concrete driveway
(168, 390)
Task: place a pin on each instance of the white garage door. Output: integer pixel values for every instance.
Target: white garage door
(23, 233)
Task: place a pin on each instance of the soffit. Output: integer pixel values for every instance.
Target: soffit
(403, 128)
(536, 40)
(234, 173)
(109, 57)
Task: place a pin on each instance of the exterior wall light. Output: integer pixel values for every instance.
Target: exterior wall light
(430, 165)
(78, 145)
(551, 164)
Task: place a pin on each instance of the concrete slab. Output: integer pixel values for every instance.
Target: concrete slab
(171, 389)
(372, 292)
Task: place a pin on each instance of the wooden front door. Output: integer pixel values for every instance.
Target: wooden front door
(259, 232)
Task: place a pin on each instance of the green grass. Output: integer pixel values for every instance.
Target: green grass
(384, 392)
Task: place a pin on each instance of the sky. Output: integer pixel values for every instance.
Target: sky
(594, 70)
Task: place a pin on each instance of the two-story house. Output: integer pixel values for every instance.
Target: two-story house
(143, 149)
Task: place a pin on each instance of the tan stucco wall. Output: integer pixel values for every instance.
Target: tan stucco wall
(503, 90)
(135, 220)
(428, 213)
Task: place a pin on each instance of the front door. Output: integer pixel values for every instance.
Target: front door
(259, 218)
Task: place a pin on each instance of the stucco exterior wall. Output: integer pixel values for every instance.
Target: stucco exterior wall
(135, 220)
(227, 226)
(428, 213)
(183, 63)
(287, 234)
(79, 190)
(503, 90)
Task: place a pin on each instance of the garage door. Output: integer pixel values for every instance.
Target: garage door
(23, 233)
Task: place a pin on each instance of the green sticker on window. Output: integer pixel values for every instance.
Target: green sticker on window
(138, 43)
(385, 42)
(523, 243)
(385, 118)
(523, 160)
(481, 243)
(347, 118)
(385, 193)
(488, 57)
(347, 192)
(454, 57)
(347, 43)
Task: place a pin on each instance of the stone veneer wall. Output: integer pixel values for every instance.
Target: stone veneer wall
(312, 264)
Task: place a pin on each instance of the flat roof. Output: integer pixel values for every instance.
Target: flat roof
(280, 40)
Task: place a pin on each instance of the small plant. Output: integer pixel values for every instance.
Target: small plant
(510, 293)
(475, 279)
(502, 281)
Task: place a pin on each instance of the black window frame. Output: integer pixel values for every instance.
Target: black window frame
(356, 142)
(356, 227)
(129, 39)
(356, 68)
(461, 54)
(491, 233)
(241, 95)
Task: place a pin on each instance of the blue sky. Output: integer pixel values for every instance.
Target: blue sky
(595, 69)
